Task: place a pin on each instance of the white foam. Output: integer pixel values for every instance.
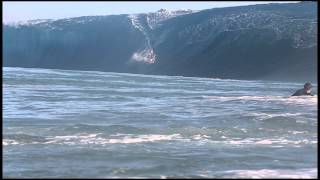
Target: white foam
(200, 137)
(6, 142)
(123, 139)
(264, 142)
(144, 138)
(263, 116)
(147, 56)
(297, 132)
(29, 22)
(130, 139)
(270, 173)
(155, 19)
(284, 99)
(258, 141)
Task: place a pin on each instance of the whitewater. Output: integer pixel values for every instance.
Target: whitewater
(89, 124)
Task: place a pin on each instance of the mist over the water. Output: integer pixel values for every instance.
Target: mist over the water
(79, 124)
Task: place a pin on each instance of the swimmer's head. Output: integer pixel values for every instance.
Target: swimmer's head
(307, 87)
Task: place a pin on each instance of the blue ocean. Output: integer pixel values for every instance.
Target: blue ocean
(89, 124)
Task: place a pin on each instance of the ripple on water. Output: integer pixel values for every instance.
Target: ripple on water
(146, 124)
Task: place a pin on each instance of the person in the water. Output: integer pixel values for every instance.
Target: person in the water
(305, 91)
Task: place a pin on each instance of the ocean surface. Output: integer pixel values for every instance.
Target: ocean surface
(88, 124)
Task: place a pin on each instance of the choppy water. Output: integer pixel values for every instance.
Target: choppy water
(108, 125)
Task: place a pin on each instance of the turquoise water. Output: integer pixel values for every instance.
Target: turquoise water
(86, 124)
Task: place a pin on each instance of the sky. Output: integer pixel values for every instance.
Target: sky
(24, 10)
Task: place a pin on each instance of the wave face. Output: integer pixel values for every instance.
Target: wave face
(60, 123)
(275, 41)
